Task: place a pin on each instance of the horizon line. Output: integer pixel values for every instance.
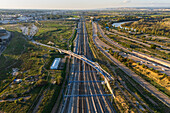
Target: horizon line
(81, 8)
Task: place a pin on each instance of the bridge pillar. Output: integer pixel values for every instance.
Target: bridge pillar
(111, 99)
(60, 52)
(109, 87)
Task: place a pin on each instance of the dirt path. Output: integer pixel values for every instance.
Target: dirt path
(13, 99)
(35, 109)
(56, 106)
(39, 102)
(70, 38)
(41, 91)
(17, 59)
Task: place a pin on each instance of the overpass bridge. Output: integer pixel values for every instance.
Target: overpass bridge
(95, 65)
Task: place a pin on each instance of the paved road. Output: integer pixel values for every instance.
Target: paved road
(161, 62)
(138, 58)
(2, 49)
(140, 42)
(162, 97)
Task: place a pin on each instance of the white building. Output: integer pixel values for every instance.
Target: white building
(55, 63)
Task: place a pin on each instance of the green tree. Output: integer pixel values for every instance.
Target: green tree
(110, 51)
(21, 99)
(143, 66)
(15, 101)
(59, 79)
(41, 82)
(153, 46)
(165, 75)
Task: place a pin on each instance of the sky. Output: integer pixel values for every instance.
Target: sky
(80, 4)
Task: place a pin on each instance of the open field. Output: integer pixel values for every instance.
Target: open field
(161, 81)
(57, 32)
(141, 44)
(139, 47)
(33, 64)
(28, 59)
(154, 25)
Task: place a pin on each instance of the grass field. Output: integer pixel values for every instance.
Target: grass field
(160, 81)
(33, 63)
(57, 32)
(11, 56)
(28, 59)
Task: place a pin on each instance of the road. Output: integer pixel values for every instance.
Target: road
(137, 58)
(148, 43)
(80, 57)
(142, 43)
(160, 62)
(57, 106)
(162, 97)
(87, 94)
(2, 49)
(4, 46)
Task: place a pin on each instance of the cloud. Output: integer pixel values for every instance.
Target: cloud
(126, 1)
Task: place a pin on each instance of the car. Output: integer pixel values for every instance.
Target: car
(142, 62)
(163, 69)
(154, 64)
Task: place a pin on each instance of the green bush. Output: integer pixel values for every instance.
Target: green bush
(42, 82)
(153, 46)
(21, 99)
(143, 66)
(15, 101)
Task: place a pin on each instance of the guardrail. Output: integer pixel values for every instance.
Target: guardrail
(81, 57)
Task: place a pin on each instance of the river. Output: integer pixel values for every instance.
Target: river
(118, 24)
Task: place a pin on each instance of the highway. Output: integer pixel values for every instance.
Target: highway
(162, 63)
(147, 44)
(162, 97)
(85, 93)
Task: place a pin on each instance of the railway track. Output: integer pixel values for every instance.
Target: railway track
(84, 74)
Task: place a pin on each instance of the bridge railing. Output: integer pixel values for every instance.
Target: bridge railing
(81, 57)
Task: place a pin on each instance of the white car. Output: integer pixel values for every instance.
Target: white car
(163, 69)
(154, 64)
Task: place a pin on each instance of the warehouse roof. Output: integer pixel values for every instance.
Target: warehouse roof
(55, 63)
(2, 31)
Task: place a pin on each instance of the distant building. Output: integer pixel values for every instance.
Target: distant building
(17, 80)
(50, 43)
(55, 63)
(2, 31)
(73, 18)
(107, 28)
(106, 50)
(95, 35)
(4, 36)
(91, 18)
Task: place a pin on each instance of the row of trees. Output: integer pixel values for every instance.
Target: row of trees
(126, 61)
(127, 18)
(155, 26)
